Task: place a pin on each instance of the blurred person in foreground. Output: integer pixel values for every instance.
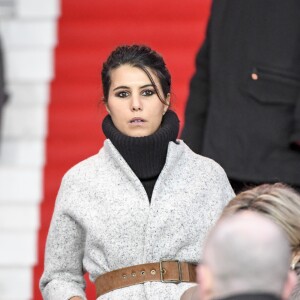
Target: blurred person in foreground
(238, 263)
(279, 203)
(243, 109)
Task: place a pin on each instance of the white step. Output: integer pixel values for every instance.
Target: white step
(37, 8)
(15, 217)
(28, 65)
(22, 152)
(20, 185)
(18, 248)
(24, 94)
(24, 121)
(28, 33)
(16, 283)
(28, 38)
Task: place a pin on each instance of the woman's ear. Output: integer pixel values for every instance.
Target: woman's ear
(107, 108)
(167, 101)
(106, 104)
(295, 258)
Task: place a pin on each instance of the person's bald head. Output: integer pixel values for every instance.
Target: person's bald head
(247, 253)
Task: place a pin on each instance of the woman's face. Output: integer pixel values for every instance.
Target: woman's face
(133, 104)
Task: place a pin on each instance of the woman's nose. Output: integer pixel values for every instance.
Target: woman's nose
(136, 103)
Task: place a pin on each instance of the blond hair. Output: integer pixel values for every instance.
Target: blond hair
(278, 202)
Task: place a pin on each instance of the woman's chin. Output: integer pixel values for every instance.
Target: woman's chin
(138, 132)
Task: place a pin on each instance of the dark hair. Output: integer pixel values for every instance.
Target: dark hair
(139, 56)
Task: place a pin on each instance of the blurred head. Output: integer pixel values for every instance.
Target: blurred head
(296, 292)
(277, 202)
(136, 88)
(237, 258)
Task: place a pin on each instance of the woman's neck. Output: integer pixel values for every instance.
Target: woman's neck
(146, 156)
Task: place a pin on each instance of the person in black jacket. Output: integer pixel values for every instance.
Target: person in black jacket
(244, 105)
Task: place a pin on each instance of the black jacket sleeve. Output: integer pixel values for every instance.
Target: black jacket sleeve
(295, 137)
(197, 103)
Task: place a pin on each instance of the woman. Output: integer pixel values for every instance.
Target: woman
(281, 204)
(145, 200)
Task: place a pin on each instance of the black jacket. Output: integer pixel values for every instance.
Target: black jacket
(244, 104)
(251, 297)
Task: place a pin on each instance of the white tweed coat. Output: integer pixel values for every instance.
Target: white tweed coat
(103, 221)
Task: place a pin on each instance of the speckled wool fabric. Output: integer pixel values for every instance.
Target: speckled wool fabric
(103, 221)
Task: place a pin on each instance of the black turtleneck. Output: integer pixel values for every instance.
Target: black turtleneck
(146, 155)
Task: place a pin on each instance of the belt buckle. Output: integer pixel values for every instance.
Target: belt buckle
(161, 270)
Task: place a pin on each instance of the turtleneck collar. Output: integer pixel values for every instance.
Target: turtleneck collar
(146, 156)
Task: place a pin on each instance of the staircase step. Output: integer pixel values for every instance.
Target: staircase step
(139, 10)
(26, 216)
(18, 248)
(27, 185)
(71, 150)
(92, 33)
(16, 281)
(84, 64)
(73, 93)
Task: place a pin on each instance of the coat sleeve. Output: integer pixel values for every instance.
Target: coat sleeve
(63, 272)
(197, 103)
(221, 189)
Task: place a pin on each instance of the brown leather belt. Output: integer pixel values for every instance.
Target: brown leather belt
(171, 271)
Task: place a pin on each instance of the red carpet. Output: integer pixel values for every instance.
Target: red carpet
(87, 32)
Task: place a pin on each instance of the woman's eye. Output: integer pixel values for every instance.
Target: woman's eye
(148, 93)
(122, 94)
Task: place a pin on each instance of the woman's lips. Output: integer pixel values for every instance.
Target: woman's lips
(137, 121)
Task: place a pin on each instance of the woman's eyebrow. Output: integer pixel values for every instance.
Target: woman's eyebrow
(121, 87)
(146, 85)
(126, 87)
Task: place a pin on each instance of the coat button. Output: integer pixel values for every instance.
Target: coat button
(254, 76)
